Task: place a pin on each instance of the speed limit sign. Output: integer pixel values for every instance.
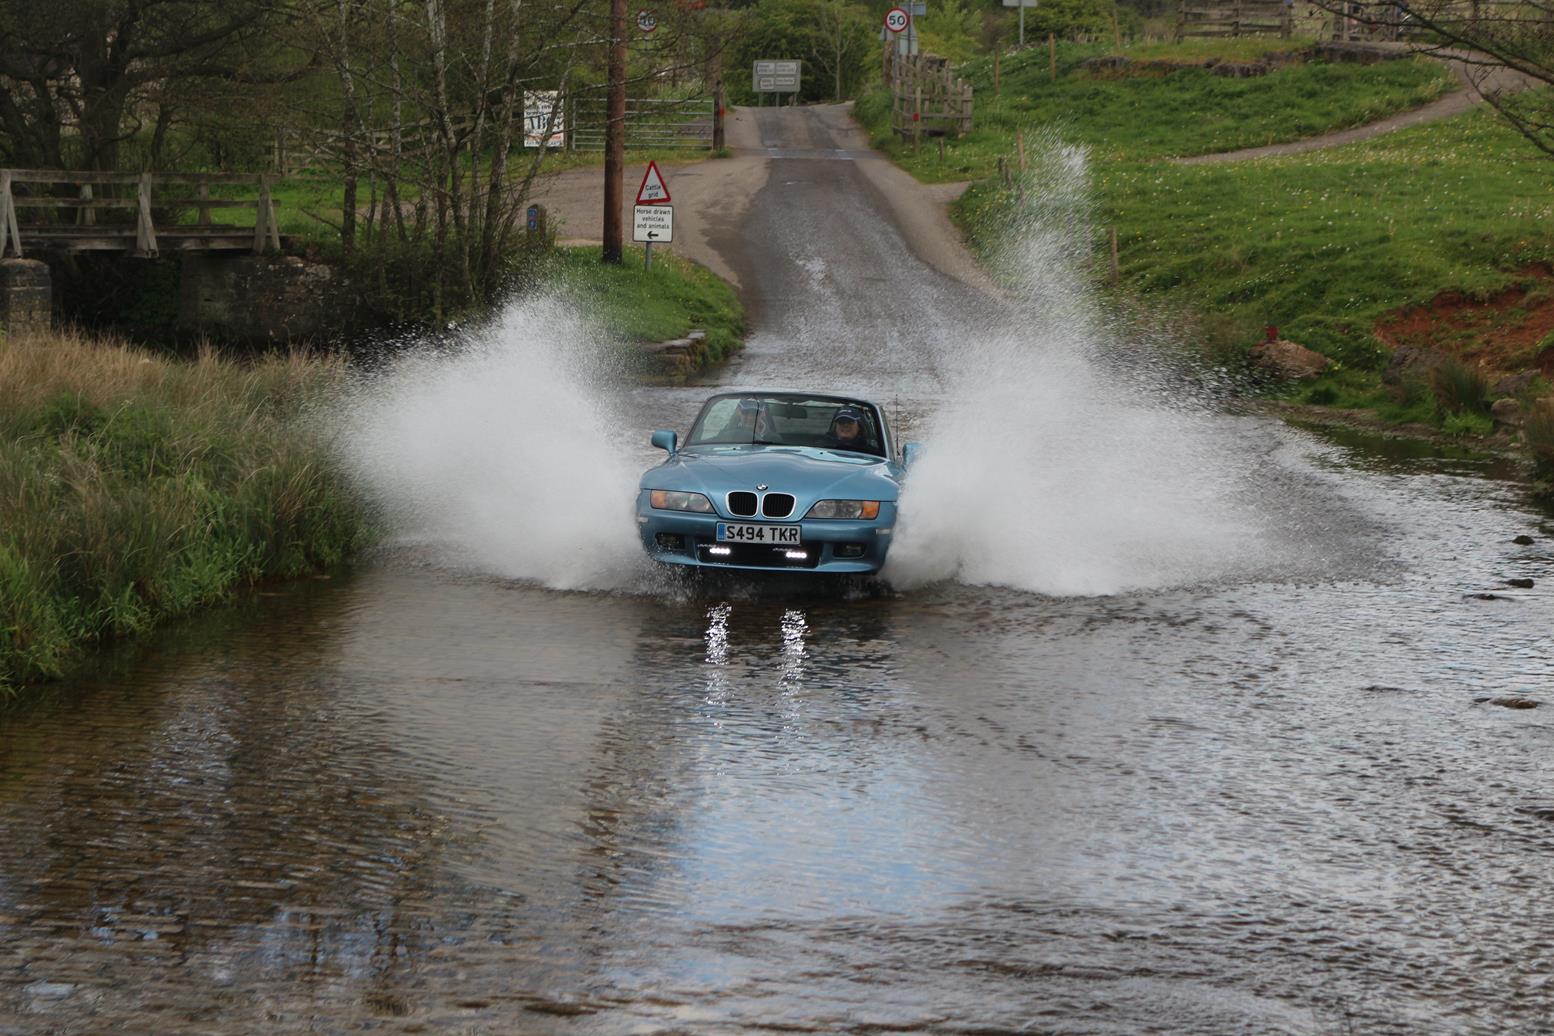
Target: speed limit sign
(896, 19)
(647, 21)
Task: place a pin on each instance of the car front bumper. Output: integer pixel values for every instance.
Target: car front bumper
(827, 545)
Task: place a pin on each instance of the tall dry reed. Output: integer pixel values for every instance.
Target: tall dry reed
(134, 487)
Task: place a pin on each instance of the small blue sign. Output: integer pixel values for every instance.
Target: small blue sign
(534, 217)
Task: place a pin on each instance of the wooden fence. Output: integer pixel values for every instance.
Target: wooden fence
(137, 222)
(1392, 20)
(926, 97)
(1234, 18)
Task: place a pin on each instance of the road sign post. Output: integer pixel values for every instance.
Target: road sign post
(652, 220)
(652, 225)
(1022, 5)
(777, 77)
(653, 191)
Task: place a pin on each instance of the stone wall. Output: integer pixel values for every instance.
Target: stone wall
(260, 300)
(26, 296)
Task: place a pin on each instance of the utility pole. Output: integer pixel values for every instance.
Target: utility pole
(615, 133)
(719, 100)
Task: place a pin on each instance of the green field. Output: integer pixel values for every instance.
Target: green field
(1188, 111)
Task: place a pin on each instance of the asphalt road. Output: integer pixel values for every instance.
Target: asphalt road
(1188, 741)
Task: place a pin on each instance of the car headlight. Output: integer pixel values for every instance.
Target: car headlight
(855, 509)
(669, 500)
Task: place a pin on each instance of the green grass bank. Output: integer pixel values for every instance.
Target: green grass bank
(1438, 237)
(653, 305)
(134, 488)
(1333, 247)
(1165, 106)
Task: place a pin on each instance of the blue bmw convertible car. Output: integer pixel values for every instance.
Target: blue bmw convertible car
(775, 480)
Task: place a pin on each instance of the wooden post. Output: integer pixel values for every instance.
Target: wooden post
(996, 55)
(10, 235)
(1116, 28)
(719, 109)
(965, 109)
(917, 116)
(1181, 19)
(204, 196)
(266, 233)
(1019, 142)
(1287, 21)
(145, 229)
(1052, 55)
(1116, 272)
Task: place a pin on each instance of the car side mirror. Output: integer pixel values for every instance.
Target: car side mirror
(666, 440)
(910, 452)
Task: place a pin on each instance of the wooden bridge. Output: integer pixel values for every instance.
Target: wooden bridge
(145, 213)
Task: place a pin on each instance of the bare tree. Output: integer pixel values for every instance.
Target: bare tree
(842, 35)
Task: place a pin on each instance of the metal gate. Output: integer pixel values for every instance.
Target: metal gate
(652, 124)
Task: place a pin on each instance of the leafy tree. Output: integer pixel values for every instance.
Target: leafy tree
(80, 77)
(834, 38)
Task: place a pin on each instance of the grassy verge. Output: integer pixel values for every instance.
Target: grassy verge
(674, 297)
(134, 488)
(1441, 232)
(1157, 114)
(1327, 243)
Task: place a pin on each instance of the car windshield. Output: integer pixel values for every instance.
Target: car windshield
(829, 424)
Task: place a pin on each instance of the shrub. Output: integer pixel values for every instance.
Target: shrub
(1538, 432)
(1459, 388)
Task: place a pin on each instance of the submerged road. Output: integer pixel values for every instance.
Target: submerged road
(1254, 798)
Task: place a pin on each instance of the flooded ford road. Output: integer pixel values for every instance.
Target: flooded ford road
(1176, 722)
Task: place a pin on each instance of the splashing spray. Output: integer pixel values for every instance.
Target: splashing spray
(1058, 462)
(503, 451)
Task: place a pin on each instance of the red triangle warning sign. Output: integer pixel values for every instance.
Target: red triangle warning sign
(653, 190)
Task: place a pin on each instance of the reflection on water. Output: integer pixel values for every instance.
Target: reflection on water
(419, 800)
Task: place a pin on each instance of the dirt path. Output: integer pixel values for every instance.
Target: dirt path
(1474, 83)
(712, 197)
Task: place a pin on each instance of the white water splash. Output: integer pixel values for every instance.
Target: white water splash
(1059, 464)
(500, 451)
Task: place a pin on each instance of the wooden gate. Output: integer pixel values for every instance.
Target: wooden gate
(1234, 18)
(926, 97)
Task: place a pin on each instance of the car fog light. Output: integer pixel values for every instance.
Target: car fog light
(849, 550)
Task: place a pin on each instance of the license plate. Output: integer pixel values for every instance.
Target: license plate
(735, 532)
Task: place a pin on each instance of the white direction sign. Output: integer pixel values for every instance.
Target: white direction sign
(647, 21)
(896, 19)
(654, 191)
(652, 224)
(776, 77)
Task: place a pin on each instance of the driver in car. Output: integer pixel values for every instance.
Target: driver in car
(847, 431)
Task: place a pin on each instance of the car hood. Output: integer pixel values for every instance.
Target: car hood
(809, 474)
